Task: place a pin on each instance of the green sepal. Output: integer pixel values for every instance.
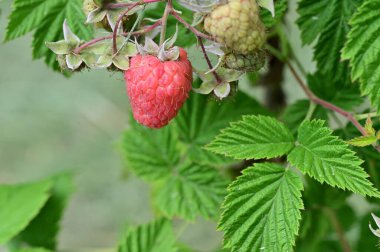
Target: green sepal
(60, 47)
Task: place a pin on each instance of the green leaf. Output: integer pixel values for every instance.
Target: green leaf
(184, 188)
(363, 141)
(151, 154)
(191, 190)
(254, 137)
(45, 18)
(201, 119)
(314, 16)
(329, 159)
(280, 7)
(327, 20)
(156, 236)
(363, 50)
(19, 204)
(295, 114)
(262, 209)
(43, 229)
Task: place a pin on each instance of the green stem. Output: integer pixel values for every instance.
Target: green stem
(311, 111)
(275, 52)
(167, 11)
(365, 116)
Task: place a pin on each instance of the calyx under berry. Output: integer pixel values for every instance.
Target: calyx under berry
(164, 52)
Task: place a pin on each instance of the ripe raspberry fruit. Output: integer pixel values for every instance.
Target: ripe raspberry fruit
(251, 63)
(237, 26)
(158, 89)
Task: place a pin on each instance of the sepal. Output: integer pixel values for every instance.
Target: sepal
(73, 61)
(69, 36)
(59, 47)
(377, 221)
(267, 4)
(221, 89)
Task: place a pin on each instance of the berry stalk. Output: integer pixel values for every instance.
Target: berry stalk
(217, 77)
(191, 28)
(123, 5)
(94, 41)
(167, 11)
(117, 25)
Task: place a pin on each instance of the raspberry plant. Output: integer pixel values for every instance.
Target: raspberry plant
(276, 177)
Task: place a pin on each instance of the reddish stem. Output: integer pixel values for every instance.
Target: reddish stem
(123, 5)
(116, 28)
(217, 77)
(326, 104)
(191, 28)
(90, 43)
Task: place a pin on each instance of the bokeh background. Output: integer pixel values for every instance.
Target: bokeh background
(49, 123)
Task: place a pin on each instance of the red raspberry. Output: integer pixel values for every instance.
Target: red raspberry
(157, 90)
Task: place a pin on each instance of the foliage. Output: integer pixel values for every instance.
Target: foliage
(30, 213)
(45, 18)
(271, 185)
(262, 209)
(254, 137)
(363, 49)
(155, 236)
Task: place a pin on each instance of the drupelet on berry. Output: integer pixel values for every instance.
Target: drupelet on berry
(158, 89)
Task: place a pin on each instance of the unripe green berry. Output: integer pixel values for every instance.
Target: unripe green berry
(237, 26)
(251, 63)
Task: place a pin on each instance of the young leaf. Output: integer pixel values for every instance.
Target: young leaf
(254, 137)
(368, 127)
(262, 209)
(156, 236)
(192, 189)
(43, 229)
(363, 49)
(329, 159)
(362, 141)
(45, 18)
(19, 205)
(201, 119)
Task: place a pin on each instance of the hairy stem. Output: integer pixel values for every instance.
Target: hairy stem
(324, 103)
(123, 5)
(191, 28)
(217, 77)
(118, 22)
(167, 11)
(94, 41)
